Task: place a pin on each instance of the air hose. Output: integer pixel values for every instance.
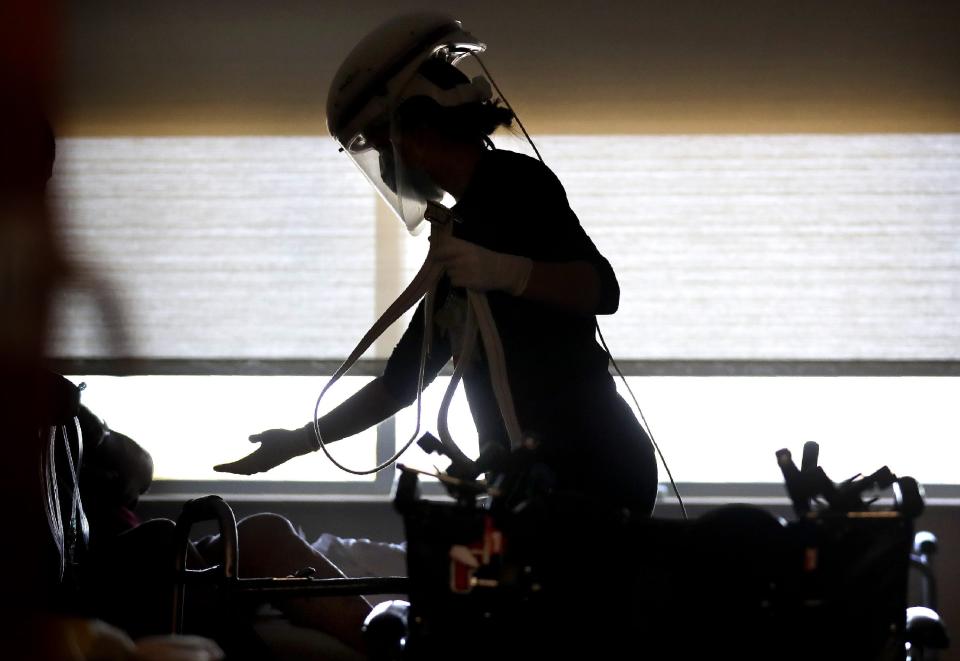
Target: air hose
(479, 322)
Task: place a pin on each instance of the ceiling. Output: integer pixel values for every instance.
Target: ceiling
(621, 66)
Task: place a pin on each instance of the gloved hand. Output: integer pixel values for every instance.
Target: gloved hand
(276, 447)
(474, 267)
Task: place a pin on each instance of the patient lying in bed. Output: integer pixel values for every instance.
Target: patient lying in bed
(129, 557)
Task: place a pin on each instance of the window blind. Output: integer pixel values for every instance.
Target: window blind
(757, 247)
(240, 248)
(805, 247)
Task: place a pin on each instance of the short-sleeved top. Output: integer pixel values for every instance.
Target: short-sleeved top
(557, 371)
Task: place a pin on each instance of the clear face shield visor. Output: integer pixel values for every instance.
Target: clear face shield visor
(386, 150)
(405, 188)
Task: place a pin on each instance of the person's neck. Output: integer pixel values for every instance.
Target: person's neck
(455, 165)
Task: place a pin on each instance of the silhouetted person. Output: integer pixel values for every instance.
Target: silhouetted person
(516, 239)
(30, 266)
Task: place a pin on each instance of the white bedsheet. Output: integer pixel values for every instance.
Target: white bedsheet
(364, 557)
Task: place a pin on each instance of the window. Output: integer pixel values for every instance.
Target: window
(740, 258)
(710, 428)
(191, 423)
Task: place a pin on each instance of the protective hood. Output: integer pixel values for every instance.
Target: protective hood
(393, 65)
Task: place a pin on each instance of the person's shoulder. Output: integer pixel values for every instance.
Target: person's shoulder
(522, 170)
(512, 160)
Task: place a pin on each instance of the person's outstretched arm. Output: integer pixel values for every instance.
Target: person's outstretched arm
(369, 406)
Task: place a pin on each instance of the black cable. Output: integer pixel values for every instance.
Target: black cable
(646, 425)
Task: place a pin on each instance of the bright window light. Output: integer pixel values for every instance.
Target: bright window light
(711, 429)
(188, 424)
(727, 429)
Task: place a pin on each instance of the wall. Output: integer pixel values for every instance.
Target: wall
(619, 67)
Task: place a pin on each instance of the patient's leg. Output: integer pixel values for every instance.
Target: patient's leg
(269, 546)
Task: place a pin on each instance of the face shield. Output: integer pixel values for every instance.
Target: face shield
(387, 156)
(378, 92)
(403, 187)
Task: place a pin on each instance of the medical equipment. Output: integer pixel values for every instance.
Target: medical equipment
(479, 323)
(225, 577)
(552, 574)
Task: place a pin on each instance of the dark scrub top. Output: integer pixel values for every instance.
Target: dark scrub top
(563, 393)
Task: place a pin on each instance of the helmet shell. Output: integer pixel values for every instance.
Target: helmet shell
(371, 77)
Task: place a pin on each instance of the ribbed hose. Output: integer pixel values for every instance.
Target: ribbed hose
(479, 318)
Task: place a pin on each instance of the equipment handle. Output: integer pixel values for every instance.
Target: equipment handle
(208, 508)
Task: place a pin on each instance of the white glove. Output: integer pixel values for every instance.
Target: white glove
(474, 267)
